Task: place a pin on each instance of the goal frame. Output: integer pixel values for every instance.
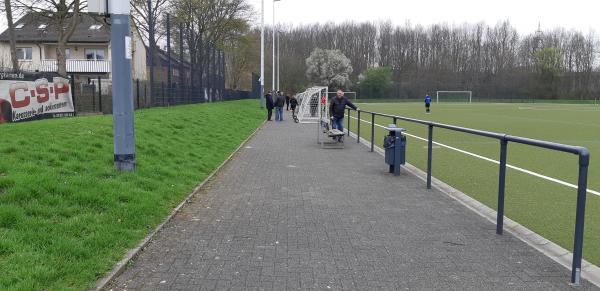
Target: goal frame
(437, 95)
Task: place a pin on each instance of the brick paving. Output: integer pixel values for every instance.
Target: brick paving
(285, 214)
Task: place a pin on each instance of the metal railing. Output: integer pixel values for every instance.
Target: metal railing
(504, 139)
(77, 66)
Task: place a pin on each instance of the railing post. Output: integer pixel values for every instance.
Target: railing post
(372, 132)
(358, 128)
(501, 187)
(429, 155)
(395, 121)
(584, 160)
(348, 121)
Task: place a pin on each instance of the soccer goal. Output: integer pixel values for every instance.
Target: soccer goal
(454, 96)
(312, 102)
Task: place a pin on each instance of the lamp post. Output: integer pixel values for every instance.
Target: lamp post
(274, 36)
(278, 60)
(262, 56)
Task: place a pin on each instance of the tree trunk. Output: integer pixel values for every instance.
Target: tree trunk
(11, 33)
(61, 60)
(64, 36)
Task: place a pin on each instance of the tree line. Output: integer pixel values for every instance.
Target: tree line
(492, 61)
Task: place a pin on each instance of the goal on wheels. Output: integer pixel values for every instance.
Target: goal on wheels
(312, 104)
(454, 96)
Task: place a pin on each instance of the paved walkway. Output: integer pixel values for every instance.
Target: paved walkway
(285, 214)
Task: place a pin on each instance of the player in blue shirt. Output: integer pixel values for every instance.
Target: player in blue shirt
(427, 103)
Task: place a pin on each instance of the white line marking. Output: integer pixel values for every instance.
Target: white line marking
(594, 192)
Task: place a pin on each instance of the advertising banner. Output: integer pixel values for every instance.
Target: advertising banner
(33, 96)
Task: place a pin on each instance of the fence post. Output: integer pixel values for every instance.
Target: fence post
(501, 187)
(73, 94)
(584, 160)
(358, 128)
(137, 91)
(100, 94)
(372, 132)
(348, 121)
(395, 120)
(162, 87)
(429, 155)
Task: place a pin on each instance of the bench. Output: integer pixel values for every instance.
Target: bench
(331, 132)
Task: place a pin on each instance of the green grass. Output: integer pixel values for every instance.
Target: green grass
(545, 207)
(66, 216)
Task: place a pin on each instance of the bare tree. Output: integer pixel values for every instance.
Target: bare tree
(11, 34)
(63, 17)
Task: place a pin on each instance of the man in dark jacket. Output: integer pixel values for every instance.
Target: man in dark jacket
(279, 103)
(270, 105)
(337, 111)
(287, 102)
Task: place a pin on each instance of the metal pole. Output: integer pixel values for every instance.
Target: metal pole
(150, 48)
(72, 82)
(372, 132)
(262, 56)
(100, 94)
(348, 122)
(429, 155)
(214, 73)
(358, 128)
(274, 33)
(584, 160)
(181, 66)
(501, 187)
(169, 66)
(137, 90)
(278, 61)
(124, 155)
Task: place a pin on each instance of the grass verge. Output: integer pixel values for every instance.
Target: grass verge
(66, 216)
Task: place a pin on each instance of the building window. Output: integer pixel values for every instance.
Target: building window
(24, 53)
(20, 26)
(42, 26)
(94, 54)
(68, 54)
(95, 27)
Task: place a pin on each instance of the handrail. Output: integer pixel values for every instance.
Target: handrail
(582, 152)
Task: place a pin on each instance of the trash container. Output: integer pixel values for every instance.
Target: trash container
(395, 148)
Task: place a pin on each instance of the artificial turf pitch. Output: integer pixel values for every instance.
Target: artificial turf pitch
(542, 206)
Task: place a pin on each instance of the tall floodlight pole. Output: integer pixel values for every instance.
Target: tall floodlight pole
(262, 56)
(120, 37)
(278, 61)
(274, 36)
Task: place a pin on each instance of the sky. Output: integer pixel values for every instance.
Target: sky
(524, 15)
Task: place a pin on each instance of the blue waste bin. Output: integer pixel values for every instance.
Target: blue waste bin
(395, 148)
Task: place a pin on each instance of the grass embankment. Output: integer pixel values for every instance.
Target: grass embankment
(66, 216)
(544, 207)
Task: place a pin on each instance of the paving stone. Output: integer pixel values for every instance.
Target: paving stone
(285, 214)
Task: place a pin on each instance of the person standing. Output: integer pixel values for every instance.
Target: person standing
(287, 102)
(337, 111)
(427, 104)
(270, 105)
(279, 103)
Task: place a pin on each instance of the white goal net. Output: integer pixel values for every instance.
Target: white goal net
(313, 105)
(454, 96)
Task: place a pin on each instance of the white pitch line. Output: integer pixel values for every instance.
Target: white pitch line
(558, 181)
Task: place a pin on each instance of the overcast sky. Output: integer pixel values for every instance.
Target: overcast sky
(582, 15)
(525, 15)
